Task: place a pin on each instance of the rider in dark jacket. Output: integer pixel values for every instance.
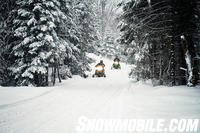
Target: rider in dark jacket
(117, 59)
(101, 64)
(100, 71)
(116, 64)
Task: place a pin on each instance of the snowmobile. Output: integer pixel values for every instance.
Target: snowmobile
(99, 72)
(116, 65)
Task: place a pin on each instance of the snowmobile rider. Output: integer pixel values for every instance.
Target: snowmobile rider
(101, 64)
(100, 72)
(116, 59)
(116, 64)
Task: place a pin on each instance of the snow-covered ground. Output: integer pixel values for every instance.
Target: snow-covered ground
(57, 109)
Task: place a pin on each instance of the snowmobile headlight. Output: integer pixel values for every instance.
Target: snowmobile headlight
(99, 68)
(116, 62)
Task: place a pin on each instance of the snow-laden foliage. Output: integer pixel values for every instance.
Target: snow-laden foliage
(106, 25)
(78, 34)
(52, 33)
(135, 40)
(7, 40)
(151, 34)
(86, 34)
(39, 45)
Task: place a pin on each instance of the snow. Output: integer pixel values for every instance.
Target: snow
(189, 67)
(44, 28)
(49, 38)
(32, 21)
(35, 44)
(11, 96)
(50, 4)
(27, 74)
(23, 12)
(52, 25)
(37, 7)
(57, 109)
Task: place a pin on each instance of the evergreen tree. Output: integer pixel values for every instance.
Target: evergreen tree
(47, 34)
(39, 44)
(86, 33)
(78, 33)
(7, 41)
(184, 27)
(136, 38)
(160, 33)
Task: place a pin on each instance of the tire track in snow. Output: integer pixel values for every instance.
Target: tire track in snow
(24, 113)
(109, 102)
(5, 106)
(90, 101)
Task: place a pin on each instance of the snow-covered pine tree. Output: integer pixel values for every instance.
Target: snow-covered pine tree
(170, 30)
(67, 33)
(106, 27)
(134, 40)
(85, 36)
(78, 34)
(7, 40)
(39, 45)
(145, 31)
(97, 23)
(85, 22)
(109, 47)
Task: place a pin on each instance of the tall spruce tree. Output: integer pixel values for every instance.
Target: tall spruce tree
(78, 34)
(85, 36)
(39, 44)
(7, 41)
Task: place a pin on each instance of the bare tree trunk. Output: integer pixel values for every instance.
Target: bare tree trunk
(59, 78)
(161, 69)
(172, 63)
(54, 75)
(47, 77)
(189, 69)
(188, 60)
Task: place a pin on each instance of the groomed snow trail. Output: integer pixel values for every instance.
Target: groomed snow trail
(57, 109)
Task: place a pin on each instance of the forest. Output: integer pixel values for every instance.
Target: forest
(162, 40)
(45, 40)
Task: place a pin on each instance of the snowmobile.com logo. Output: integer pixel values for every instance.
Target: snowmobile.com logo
(137, 125)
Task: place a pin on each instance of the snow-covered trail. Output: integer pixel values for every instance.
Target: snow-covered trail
(57, 109)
